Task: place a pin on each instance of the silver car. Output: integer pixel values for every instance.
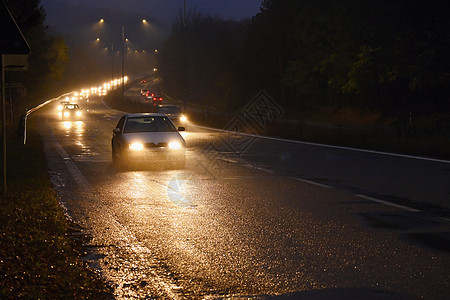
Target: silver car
(174, 113)
(147, 138)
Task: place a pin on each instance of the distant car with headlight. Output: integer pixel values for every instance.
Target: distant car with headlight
(71, 111)
(147, 138)
(61, 105)
(145, 92)
(174, 113)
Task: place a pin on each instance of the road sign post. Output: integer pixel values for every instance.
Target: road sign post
(14, 51)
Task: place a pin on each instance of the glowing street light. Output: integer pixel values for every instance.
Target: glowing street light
(124, 40)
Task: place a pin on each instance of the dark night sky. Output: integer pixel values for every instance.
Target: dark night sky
(168, 9)
(78, 20)
(75, 18)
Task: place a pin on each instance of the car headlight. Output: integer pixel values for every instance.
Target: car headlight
(136, 147)
(66, 114)
(183, 118)
(175, 145)
(78, 113)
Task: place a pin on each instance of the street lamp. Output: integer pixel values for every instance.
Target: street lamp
(123, 50)
(185, 57)
(112, 57)
(123, 59)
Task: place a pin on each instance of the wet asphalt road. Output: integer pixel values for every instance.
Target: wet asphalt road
(277, 219)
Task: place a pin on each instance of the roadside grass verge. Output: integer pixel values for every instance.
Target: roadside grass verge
(38, 260)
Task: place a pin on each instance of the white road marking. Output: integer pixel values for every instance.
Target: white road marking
(330, 146)
(403, 207)
(107, 106)
(264, 170)
(81, 181)
(312, 182)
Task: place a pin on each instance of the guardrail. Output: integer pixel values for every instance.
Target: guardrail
(32, 110)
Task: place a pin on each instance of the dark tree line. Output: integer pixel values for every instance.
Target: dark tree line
(48, 56)
(201, 60)
(382, 55)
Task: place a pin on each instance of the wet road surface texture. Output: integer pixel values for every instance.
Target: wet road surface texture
(270, 223)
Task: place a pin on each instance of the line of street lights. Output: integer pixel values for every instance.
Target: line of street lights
(144, 21)
(123, 41)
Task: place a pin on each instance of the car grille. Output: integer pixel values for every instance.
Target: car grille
(157, 145)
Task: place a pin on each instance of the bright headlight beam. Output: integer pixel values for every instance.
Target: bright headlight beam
(136, 147)
(183, 119)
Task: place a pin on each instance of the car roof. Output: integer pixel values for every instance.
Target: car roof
(168, 105)
(136, 115)
(68, 105)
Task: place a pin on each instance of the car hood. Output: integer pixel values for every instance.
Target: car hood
(173, 116)
(154, 137)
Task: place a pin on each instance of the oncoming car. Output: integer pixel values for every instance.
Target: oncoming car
(147, 138)
(71, 112)
(61, 104)
(174, 113)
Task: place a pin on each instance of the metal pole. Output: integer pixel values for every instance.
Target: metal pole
(185, 58)
(112, 62)
(4, 124)
(123, 60)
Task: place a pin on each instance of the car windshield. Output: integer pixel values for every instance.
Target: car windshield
(71, 106)
(148, 124)
(170, 110)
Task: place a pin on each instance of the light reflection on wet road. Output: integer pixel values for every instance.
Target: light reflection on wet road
(221, 228)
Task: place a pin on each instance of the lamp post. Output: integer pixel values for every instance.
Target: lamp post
(123, 54)
(185, 57)
(123, 50)
(123, 60)
(111, 50)
(112, 61)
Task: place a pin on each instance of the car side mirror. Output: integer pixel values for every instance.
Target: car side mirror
(181, 129)
(116, 130)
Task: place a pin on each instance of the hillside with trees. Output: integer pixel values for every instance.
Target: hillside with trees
(384, 57)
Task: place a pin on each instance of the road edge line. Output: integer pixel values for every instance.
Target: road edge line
(329, 146)
(79, 178)
(403, 207)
